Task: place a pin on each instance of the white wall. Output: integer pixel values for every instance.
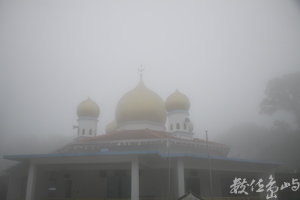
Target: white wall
(177, 117)
(141, 125)
(87, 124)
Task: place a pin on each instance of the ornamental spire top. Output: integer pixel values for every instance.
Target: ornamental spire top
(141, 69)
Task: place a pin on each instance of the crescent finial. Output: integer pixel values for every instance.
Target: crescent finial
(141, 68)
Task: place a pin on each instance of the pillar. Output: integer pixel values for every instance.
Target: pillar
(135, 180)
(14, 187)
(180, 177)
(31, 181)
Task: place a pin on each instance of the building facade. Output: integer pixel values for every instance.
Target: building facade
(137, 157)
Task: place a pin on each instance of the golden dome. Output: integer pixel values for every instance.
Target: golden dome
(111, 127)
(141, 104)
(177, 101)
(88, 108)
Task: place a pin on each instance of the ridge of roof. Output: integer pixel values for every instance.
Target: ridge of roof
(201, 140)
(128, 134)
(140, 134)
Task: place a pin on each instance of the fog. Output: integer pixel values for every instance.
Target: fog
(221, 54)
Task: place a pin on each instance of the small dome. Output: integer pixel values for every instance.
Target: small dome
(177, 101)
(111, 127)
(141, 104)
(88, 108)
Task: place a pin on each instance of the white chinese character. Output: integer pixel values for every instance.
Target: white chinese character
(285, 185)
(238, 184)
(251, 184)
(295, 181)
(271, 187)
(260, 185)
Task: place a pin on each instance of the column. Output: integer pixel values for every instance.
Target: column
(135, 180)
(31, 181)
(14, 187)
(180, 177)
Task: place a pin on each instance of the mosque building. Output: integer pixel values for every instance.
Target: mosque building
(149, 151)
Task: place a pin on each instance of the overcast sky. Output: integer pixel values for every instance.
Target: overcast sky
(221, 54)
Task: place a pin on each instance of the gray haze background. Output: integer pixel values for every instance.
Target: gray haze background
(221, 54)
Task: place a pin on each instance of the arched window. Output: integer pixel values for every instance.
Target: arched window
(90, 131)
(171, 127)
(83, 131)
(184, 126)
(177, 126)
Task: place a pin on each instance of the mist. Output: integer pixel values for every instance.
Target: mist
(220, 54)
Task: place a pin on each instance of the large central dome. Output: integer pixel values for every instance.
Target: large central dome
(141, 104)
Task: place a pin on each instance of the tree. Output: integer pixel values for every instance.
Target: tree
(283, 93)
(254, 142)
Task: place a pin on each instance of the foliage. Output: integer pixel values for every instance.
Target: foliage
(277, 144)
(280, 143)
(283, 93)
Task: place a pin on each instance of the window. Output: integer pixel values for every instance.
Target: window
(184, 126)
(177, 126)
(90, 131)
(83, 131)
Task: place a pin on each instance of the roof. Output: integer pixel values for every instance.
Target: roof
(175, 155)
(25, 156)
(140, 134)
(129, 135)
(157, 153)
(191, 196)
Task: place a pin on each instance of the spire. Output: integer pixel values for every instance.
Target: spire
(141, 69)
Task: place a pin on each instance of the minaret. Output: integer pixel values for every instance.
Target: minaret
(179, 124)
(88, 112)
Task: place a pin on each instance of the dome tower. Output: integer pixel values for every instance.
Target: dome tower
(111, 127)
(88, 112)
(179, 124)
(141, 108)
